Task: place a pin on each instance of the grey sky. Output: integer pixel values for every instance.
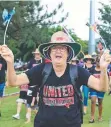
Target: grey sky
(78, 14)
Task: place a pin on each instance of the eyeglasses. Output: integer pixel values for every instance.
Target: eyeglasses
(61, 48)
(88, 59)
(73, 61)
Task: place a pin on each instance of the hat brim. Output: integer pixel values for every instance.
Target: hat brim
(85, 59)
(35, 53)
(75, 48)
(76, 60)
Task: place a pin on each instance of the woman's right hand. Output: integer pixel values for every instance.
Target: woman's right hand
(7, 54)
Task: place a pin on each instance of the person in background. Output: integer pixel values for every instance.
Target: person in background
(32, 103)
(88, 60)
(109, 71)
(109, 93)
(96, 95)
(94, 55)
(33, 91)
(21, 100)
(36, 60)
(74, 61)
(3, 68)
(81, 62)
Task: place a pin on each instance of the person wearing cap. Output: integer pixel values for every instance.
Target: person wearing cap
(36, 60)
(74, 61)
(21, 100)
(81, 62)
(32, 90)
(94, 55)
(88, 60)
(96, 95)
(59, 102)
(109, 71)
(3, 68)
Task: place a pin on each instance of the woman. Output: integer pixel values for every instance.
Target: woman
(74, 61)
(96, 95)
(3, 67)
(58, 106)
(21, 100)
(88, 60)
(36, 60)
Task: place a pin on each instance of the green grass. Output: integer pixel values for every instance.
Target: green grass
(9, 108)
(106, 114)
(9, 90)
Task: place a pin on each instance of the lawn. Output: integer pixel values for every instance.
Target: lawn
(9, 108)
(10, 90)
(106, 114)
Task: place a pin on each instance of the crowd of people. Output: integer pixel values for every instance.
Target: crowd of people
(53, 82)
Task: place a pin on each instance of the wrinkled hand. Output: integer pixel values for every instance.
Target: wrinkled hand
(105, 60)
(6, 53)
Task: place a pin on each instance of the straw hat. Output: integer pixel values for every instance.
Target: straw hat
(75, 59)
(94, 54)
(36, 51)
(60, 38)
(86, 57)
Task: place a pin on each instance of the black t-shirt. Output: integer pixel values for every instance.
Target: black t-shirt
(59, 103)
(33, 63)
(91, 69)
(96, 74)
(32, 92)
(3, 67)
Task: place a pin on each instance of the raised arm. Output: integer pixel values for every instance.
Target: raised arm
(12, 78)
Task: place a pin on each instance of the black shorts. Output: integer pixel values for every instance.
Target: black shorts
(23, 95)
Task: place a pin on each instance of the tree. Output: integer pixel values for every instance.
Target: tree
(29, 26)
(105, 27)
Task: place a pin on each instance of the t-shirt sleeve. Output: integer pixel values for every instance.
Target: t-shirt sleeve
(29, 65)
(35, 75)
(83, 76)
(34, 92)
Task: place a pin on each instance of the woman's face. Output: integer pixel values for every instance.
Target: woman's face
(37, 56)
(74, 62)
(89, 61)
(59, 54)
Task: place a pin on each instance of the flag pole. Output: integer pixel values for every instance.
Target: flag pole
(91, 44)
(66, 31)
(6, 31)
(9, 16)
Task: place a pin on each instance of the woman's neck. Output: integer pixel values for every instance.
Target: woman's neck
(59, 69)
(88, 65)
(37, 58)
